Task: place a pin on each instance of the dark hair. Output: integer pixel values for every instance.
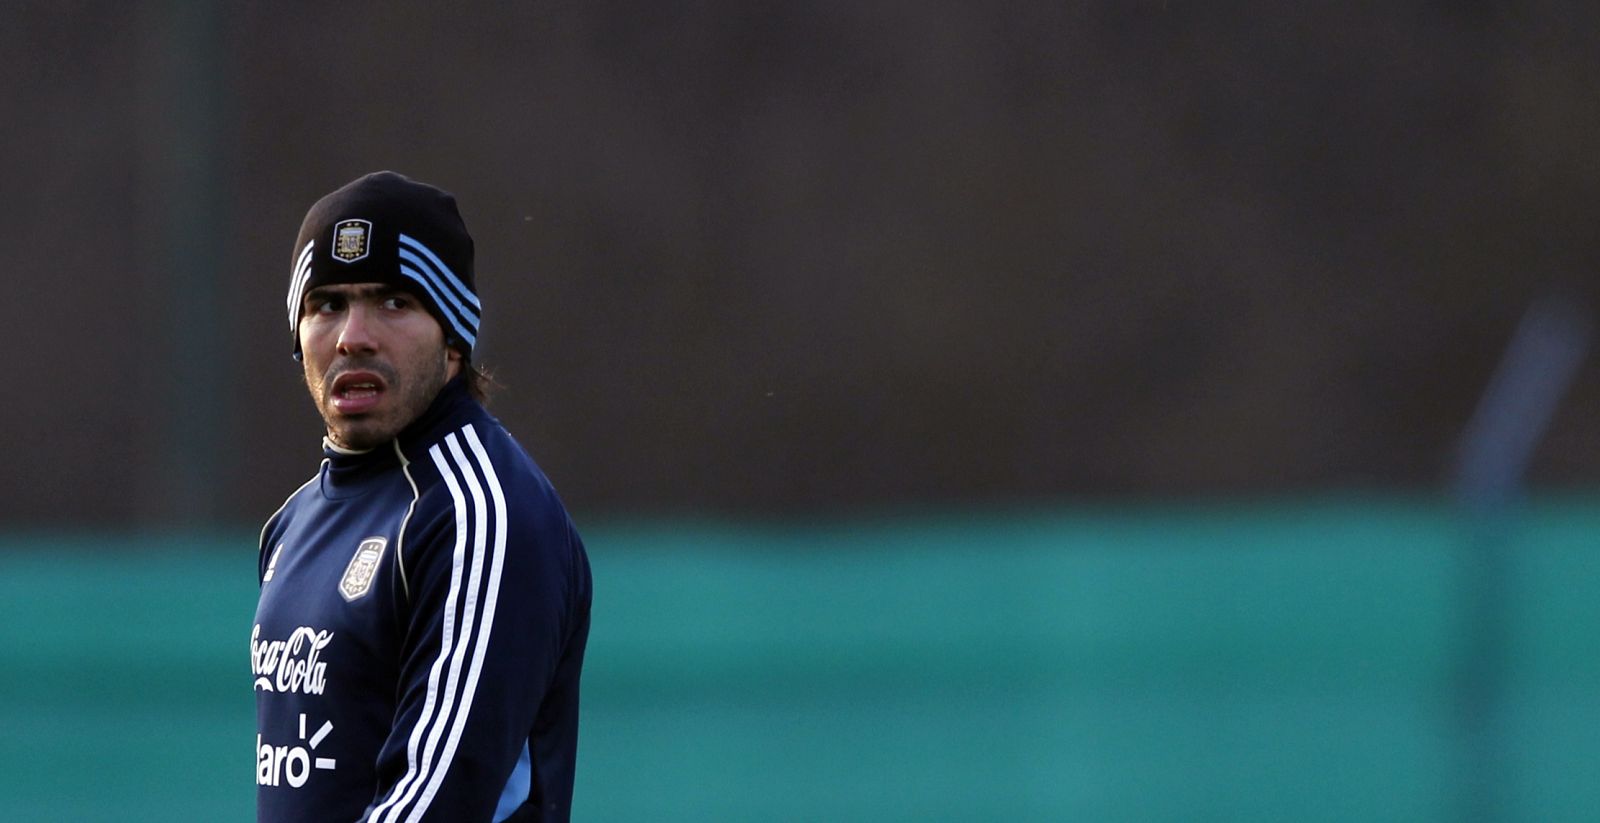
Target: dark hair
(480, 381)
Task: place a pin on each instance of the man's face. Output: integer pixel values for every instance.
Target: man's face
(374, 359)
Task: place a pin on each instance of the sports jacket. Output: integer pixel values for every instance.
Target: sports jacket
(420, 633)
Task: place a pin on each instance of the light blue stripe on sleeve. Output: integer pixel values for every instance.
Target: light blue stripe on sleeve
(517, 786)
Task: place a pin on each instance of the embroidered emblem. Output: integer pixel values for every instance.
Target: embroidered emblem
(362, 569)
(351, 240)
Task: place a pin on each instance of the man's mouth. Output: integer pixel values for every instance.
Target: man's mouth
(356, 392)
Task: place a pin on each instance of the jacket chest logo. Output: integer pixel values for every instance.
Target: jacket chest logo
(358, 576)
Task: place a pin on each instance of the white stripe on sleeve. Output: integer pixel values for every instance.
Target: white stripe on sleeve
(491, 598)
(417, 766)
(428, 771)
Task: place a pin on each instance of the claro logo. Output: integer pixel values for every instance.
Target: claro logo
(292, 665)
(291, 765)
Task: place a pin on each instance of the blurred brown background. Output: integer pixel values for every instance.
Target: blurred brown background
(764, 257)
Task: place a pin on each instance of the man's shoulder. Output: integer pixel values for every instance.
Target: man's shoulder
(474, 440)
(482, 488)
(481, 457)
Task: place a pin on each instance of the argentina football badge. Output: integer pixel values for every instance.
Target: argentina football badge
(351, 239)
(363, 568)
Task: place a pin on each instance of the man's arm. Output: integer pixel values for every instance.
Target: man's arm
(490, 614)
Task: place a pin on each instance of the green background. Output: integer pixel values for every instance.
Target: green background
(1295, 660)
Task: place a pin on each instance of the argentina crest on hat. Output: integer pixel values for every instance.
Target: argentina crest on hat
(387, 228)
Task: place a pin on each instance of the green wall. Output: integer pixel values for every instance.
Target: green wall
(1295, 661)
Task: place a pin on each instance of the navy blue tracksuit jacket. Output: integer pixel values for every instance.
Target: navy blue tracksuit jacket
(420, 633)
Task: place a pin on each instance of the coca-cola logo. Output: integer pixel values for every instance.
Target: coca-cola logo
(292, 665)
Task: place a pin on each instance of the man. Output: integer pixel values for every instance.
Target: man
(424, 597)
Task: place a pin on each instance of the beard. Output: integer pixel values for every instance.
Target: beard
(408, 390)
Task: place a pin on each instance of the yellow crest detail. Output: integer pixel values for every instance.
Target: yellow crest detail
(363, 568)
(351, 240)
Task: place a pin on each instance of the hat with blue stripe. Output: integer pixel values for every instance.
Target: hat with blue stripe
(387, 228)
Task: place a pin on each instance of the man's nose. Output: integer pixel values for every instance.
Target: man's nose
(355, 337)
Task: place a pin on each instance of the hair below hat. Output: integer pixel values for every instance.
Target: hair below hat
(387, 228)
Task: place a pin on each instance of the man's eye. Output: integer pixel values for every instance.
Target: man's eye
(396, 303)
(326, 306)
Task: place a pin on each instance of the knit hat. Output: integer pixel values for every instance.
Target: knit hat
(387, 228)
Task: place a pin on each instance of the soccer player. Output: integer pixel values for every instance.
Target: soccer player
(424, 597)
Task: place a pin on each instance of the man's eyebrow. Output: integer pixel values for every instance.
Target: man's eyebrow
(365, 292)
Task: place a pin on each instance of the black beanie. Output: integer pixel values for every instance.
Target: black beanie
(387, 228)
